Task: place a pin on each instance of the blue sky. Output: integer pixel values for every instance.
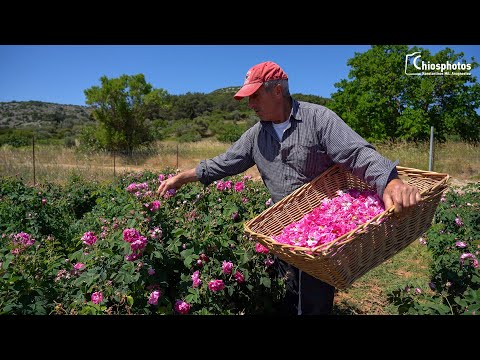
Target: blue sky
(61, 73)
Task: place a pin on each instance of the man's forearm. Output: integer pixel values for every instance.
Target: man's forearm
(186, 177)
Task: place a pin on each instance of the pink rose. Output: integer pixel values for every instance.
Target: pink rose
(216, 285)
(97, 297)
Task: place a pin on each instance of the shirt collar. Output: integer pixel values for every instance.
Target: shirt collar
(295, 114)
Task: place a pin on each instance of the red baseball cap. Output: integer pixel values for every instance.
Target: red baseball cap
(257, 75)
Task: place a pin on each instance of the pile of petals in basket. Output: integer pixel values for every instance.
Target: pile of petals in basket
(333, 218)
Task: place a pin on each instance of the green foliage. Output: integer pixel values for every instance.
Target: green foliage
(92, 139)
(414, 123)
(197, 229)
(46, 210)
(158, 128)
(224, 102)
(454, 243)
(69, 142)
(27, 275)
(16, 137)
(230, 132)
(381, 102)
(51, 122)
(189, 136)
(185, 130)
(312, 99)
(191, 105)
(122, 106)
(81, 195)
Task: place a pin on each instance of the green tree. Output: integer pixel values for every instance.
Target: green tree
(191, 105)
(380, 101)
(223, 100)
(123, 106)
(230, 132)
(90, 138)
(312, 98)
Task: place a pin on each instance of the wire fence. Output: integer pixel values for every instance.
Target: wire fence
(53, 163)
(41, 163)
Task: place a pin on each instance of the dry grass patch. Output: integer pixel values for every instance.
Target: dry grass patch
(459, 160)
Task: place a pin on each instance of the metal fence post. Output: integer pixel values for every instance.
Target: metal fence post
(114, 174)
(33, 160)
(430, 159)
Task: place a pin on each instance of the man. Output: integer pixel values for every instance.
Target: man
(292, 144)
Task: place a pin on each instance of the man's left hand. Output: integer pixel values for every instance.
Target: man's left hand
(402, 195)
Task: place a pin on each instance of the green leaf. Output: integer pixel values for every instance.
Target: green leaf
(178, 232)
(188, 261)
(7, 261)
(265, 281)
(460, 301)
(229, 209)
(191, 298)
(157, 255)
(187, 252)
(120, 277)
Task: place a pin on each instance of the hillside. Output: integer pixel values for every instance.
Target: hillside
(52, 117)
(37, 114)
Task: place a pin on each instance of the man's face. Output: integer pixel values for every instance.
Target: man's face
(267, 105)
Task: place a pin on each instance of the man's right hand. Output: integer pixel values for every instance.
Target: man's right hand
(166, 185)
(177, 181)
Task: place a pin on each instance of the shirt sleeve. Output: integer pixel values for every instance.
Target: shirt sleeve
(349, 149)
(237, 159)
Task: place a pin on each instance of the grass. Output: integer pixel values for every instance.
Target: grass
(459, 160)
(55, 163)
(368, 295)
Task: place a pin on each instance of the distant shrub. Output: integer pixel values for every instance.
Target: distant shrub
(16, 137)
(69, 141)
(230, 132)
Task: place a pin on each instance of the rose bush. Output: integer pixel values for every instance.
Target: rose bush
(454, 242)
(85, 247)
(116, 248)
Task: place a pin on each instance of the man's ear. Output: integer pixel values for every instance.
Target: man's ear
(278, 90)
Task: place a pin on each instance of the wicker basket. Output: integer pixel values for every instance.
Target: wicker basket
(351, 255)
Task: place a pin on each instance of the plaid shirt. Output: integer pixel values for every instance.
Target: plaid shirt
(315, 139)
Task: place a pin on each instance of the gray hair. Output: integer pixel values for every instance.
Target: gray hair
(269, 85)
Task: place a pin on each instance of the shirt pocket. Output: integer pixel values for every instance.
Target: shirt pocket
(309, 160)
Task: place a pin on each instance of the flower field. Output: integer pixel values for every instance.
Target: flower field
(90, 247)
(115, 248)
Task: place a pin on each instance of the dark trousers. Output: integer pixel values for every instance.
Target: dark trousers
(306, 295)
